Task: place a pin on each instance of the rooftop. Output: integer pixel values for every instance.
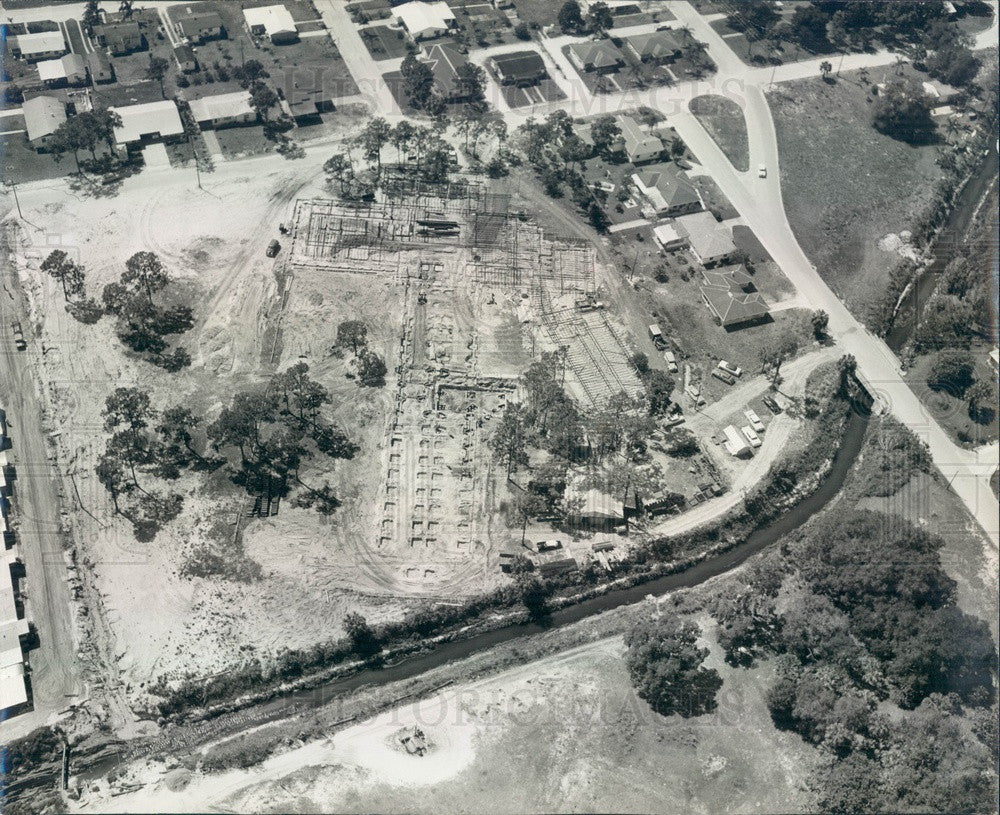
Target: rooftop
(445, 60)
(273, 19)
(42, 116)
(52, 70)
(221, 106)
(598, 54)
(667, 187)
(520, 63)
(418, 16)
(655, 44)
(149, 119)
(43, 42)
(199, 21)
(735, 309)
(636, 139)
(708, 239)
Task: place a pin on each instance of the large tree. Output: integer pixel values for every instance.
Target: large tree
(418, 83)
(666, 667)
(901, 111)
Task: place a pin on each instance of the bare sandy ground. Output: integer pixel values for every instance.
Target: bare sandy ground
(561, 734)
(211, 242)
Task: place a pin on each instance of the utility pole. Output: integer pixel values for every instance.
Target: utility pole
(17, 201)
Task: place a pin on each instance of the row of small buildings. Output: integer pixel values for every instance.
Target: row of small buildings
(14, 627)
(142, 123)
(603, 56)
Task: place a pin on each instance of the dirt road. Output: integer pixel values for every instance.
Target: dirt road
(55, 669)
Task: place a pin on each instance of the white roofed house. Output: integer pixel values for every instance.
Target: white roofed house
(70, 69)
(42, 117)
(43, 45)
(223, 110)
(640, 146)
(149, 122)
(711, 243)
(425, 20)
(274, 22)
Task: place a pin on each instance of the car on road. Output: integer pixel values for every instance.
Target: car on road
(754, 420)
(751, 437)
(272, 249)
(771, 403)
(762, 171)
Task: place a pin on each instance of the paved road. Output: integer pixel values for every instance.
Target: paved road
(759, 202)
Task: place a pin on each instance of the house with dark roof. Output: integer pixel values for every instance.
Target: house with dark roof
(201, 26)
(667, 190)
(99, 67)
(733, 299)
(657, 47)
(596, 56)
(186, 60)
(120, 38)
(444, 61)
(306, 94)
(520, 68)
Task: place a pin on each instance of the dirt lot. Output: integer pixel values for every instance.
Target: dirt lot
(212, 243)
(839, 216)
(724, 121)
(564, 734)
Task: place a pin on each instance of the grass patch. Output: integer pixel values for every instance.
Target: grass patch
(724, 121)
(845, 185)
(383, 42)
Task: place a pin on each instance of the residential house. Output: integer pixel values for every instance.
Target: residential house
(148, 122)
(596, 56)
(444, 61)
(669, 236)
(186, 60)
(70, 69)
(306, 95)
(99, 67)
(640, 145)
(120, 38)
(201, 26)
(667, 191)
(35, 47)
(656, 47)
(425, 20)
(520, 68)
(274, 22)
(223, 110)
(733, 299)
(42, 117)
(710, 243)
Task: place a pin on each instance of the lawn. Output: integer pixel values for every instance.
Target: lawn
(383, 42)
(846, 186)
(539, 12)
(714, 198)
(22, 164)
(725, 123)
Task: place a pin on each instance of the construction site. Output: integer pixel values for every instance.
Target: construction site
(484, 290)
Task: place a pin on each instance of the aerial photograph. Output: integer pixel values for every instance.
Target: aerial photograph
(499, 406)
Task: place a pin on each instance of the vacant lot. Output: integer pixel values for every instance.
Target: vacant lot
(845, 185)
(724, 121)
(383, 42)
